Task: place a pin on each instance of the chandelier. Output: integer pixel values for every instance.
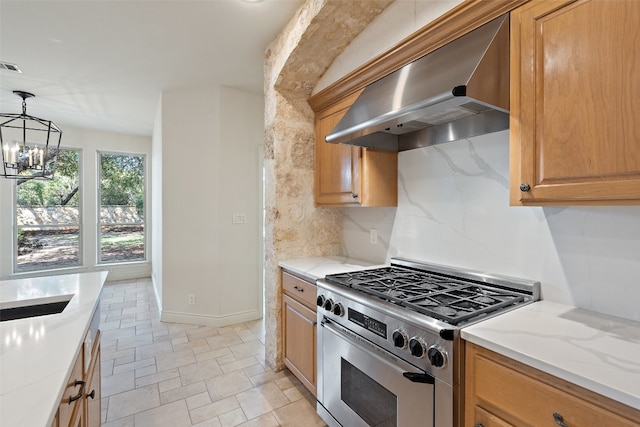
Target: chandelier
(24, 143)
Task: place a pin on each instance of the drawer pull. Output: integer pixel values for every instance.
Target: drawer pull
(559, 419)
(92, 394)
(79, 395)
(298, 289)
(478, 425)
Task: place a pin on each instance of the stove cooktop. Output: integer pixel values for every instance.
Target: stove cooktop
(448, 298)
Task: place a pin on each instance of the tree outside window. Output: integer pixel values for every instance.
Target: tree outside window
(122, 201)
(48, 218)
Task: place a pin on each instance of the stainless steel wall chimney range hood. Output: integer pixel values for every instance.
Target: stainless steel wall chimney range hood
(457, 91)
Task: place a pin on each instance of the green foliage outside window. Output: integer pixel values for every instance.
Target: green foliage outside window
(122, 181)
(61, 191)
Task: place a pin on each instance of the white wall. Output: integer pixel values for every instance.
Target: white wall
(453, 208)
(89, 142)
(397, 22)
(210, 140)
(156, 205)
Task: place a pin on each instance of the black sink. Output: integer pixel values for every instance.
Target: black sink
(36, 310)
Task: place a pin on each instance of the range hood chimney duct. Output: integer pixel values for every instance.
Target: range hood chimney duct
(457, 91)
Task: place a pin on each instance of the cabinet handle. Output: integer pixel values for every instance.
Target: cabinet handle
(559, 419)
(92, 394)
(79, 395)
(354, 195)
(524, 187)
(298, 289)
(478, 425)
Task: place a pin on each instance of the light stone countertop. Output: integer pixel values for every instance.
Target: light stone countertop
(318, 267)
(37, 354)
(598, 352)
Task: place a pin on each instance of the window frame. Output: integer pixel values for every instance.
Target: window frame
(145, 222)
(80, 225)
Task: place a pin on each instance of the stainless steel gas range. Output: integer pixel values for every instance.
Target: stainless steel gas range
(389, 351)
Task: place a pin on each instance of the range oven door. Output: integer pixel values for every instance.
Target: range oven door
(361, 384)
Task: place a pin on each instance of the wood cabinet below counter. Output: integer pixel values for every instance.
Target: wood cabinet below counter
(80, 405)
(299, 329)
(502, 392)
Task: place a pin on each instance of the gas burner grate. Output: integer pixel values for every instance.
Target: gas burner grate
(454, 308)
(450, 299)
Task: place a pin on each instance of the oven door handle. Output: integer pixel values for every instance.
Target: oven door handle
(418, 377)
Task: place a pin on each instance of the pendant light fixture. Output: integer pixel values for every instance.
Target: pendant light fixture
(24, 143)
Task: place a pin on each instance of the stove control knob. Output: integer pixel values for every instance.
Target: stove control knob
(338, 309)
(320, 300)
(400, 338)
(417, 347)
(437, 356)
(328, 304)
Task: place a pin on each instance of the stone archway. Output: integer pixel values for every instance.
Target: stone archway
(294, 63)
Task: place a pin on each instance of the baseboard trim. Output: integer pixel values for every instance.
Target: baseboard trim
(209, 320)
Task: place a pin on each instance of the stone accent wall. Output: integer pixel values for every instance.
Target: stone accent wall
(294, 63)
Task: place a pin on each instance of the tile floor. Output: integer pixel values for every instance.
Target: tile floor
(167, 374)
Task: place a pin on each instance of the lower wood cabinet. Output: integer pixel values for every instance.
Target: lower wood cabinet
(80, 405)
(299, 329)
(93, 396)
(70, 410)
(501, 392)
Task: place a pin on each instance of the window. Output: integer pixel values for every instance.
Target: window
(122, 200)
(48, 218)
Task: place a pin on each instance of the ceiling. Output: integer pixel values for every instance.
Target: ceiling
(102, 64)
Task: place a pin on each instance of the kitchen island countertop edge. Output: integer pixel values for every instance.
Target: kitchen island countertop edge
(37, 353)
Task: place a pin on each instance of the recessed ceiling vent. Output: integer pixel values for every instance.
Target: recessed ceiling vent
(10, 67)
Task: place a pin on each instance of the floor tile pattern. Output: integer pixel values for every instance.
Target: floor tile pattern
(167, 374)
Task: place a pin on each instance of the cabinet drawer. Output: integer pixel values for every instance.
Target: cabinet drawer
(299, 289)
(524, 400)
(487, 419)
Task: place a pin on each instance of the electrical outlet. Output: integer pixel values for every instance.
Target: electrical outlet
(192, 299)
(239, 218)
(373, 236)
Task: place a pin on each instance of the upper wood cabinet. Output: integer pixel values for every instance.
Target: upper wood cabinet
(351, 176)
(575, 80)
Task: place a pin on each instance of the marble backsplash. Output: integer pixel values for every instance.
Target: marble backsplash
(453, 209)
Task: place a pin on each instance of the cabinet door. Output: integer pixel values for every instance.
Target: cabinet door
(336, 165)
(78, 420)
(299, 341)
(93, 396)
(575, 80)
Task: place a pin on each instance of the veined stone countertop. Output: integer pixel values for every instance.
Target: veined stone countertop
(37, 353)
(598, 352)
(318, 267)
